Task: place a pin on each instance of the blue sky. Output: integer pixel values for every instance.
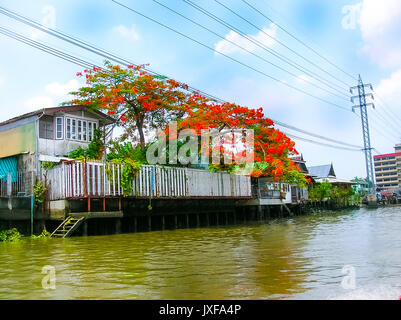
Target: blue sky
(31, 79)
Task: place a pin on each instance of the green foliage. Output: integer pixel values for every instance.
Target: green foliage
(320, 191)
(48, 165)
(10, 235)
(94, 151)
(39, 191)
(132, 160)
(44, 235)
(119, 151)
(296, 178)
(129, 172)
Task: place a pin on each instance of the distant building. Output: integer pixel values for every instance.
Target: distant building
(326, 173)
(360, 186)
(388, 169)
(300, 163)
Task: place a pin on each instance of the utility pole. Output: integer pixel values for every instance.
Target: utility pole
(362, 95)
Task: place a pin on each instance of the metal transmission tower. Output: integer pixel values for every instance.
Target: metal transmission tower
(362, 95)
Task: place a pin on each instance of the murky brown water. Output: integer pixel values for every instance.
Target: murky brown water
(297, 258)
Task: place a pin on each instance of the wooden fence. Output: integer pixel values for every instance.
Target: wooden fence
(96, 179)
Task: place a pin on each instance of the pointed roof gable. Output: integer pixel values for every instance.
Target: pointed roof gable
(324, 171)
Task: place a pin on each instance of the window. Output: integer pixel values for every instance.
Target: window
(74, 130)
(81, 130)
(59, 128)
(90, 131)
(68, 128)
(46, 127)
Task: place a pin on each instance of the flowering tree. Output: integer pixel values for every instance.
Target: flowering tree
(138, 101)
(271, 147)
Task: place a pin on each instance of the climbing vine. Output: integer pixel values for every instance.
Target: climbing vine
(130, 169)
(94, 151)
(39, 192)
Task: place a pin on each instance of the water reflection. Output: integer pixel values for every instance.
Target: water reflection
(288, 258)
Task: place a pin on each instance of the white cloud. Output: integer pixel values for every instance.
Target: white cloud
(129, 33)
(226, 47)
(48, 21)
(57, 89)
(55, 94)
(380, 23)
(39, 102)
(390, 91)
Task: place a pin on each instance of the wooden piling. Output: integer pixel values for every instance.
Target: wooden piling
(118, 226)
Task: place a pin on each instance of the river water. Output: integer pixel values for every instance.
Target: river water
(297, 258)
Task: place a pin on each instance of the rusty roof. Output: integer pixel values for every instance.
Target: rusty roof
(51, 111)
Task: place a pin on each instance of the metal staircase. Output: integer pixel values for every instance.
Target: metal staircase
(67, 227)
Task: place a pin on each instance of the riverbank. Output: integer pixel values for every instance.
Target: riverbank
(172, 214)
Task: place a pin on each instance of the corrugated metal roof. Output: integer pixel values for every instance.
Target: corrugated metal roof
(322, 171)
(50, 111)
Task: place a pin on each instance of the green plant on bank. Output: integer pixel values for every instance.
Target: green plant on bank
(130, 170)
(132, 159)
(68, 222)
(320, 191)
(48, 165)
(39, 191)
(10, 235)
(44, 235)
(94, 151)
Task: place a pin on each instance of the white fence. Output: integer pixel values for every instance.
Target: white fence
(77, 179)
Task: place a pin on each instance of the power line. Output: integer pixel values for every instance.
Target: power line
(231, 58)
(276, 54)
(314, 135)
(87, 64)
(300, 41)
(321, 143)
(252, 53)
(45, 48)
(280, 42)
(86, 46)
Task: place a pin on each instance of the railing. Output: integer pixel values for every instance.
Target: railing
(95, 179)
(19, 184)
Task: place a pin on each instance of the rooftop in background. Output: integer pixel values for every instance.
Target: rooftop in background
(323, 171)
(387, 155)
(300, 163)
(50, 111)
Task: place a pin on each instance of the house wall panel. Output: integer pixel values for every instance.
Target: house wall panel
(18, 140)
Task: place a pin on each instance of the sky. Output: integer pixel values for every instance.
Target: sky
(358, 37)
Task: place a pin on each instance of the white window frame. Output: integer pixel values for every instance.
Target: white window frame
(62, 128)
(84, 122)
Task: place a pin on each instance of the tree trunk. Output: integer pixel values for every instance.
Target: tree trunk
(141, 134)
